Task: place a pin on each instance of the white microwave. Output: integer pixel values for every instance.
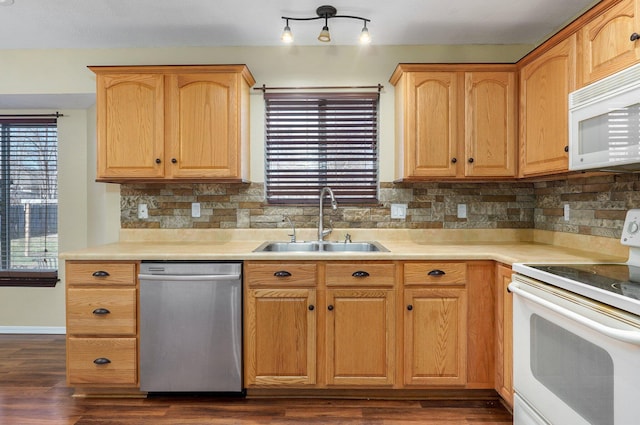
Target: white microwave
(604, 124)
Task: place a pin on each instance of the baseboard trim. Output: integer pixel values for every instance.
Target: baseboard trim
(50, 330)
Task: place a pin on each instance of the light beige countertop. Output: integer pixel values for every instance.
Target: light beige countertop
(504, 245)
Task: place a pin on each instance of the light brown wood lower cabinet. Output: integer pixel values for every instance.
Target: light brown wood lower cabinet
(360, 338)
(280, 337)
(504, 334)
(435, 336)
(102, 327)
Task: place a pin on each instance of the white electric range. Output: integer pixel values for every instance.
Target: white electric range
(576, 341)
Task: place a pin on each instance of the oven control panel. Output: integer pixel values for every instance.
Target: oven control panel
(631, 230)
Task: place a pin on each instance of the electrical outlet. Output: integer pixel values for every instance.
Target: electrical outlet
(566, 212)
(462, 210)
(143, 211)
(399, 211)
(195, 209)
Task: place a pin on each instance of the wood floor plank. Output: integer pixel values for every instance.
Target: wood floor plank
(33, 391)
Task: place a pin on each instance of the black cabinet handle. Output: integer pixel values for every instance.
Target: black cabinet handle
(454, 160)
(470, 160)
(330, 307)
(566, 148)
(311, 307)
(100, 273)
(360, 273)
(173, 160)
(282, 273)
(158, 160)
(409, 307)
(102, 360)
(436, 272)
(635, 36)
(101, 311)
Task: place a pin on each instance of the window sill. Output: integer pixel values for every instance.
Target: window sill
(29, 279)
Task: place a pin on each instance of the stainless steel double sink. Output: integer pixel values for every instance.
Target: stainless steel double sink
(317, 246)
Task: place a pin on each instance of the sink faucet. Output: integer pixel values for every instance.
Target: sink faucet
(321, 231)
(293, 227)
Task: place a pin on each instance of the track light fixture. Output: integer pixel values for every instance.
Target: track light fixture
(326, 13)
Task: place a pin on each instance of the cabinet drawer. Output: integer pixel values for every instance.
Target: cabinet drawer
(349, 274)
(118, 355)
(270, 274)
(101, 311)
(99, 273)
(435, 273)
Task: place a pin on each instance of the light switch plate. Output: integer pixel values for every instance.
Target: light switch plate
(399, 211)
(195, 209)
(462, 210)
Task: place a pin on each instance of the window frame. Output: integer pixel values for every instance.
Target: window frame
(337, 132)
(36, 276)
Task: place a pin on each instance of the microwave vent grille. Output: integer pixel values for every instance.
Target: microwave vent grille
(621, 81)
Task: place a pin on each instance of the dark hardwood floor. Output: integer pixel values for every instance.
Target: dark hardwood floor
(33, 392)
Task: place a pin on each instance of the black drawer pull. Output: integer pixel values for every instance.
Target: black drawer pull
(436, 272)
(360, 273)
(100, 273)
(101, 311)
(634, 37)
(102, 360)
(158, 160)
(311, 307)
(330, 307)
(409, 307)
(282, 273)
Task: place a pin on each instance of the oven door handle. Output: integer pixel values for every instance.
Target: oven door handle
(631, 337)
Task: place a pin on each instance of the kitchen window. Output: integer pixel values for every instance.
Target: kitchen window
(28, 201)
(315, 140)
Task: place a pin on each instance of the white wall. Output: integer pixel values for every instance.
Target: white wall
(89, 212)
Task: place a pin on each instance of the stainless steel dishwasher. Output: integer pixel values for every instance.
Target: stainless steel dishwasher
(190, 327)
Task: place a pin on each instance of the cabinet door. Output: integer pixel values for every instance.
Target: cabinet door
(490, 124)
(432, 124)
(360, 329)
(606, 44)
(435, 350)
(545, 84)
(504, 335)
(130, 111)
(203, 125)
(280, 337)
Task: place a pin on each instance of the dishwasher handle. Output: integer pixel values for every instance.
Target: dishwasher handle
(189, 278)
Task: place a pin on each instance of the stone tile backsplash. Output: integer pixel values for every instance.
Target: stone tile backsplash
(598, 205)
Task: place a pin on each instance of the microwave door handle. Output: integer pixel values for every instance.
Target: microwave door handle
(631, 337)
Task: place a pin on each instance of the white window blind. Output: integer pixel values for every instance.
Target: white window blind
(28, 201)
(321, 139)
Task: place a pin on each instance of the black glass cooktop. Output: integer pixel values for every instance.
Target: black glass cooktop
(620, 279)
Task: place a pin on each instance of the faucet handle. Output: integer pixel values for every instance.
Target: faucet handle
(347, 238)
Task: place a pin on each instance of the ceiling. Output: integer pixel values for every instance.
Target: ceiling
(47, 24)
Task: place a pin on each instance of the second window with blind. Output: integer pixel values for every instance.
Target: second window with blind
(315, 140)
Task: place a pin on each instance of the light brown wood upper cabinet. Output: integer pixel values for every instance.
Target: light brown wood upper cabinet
(606, 44)
(545, 83)
(173, 122)
(455, 121)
